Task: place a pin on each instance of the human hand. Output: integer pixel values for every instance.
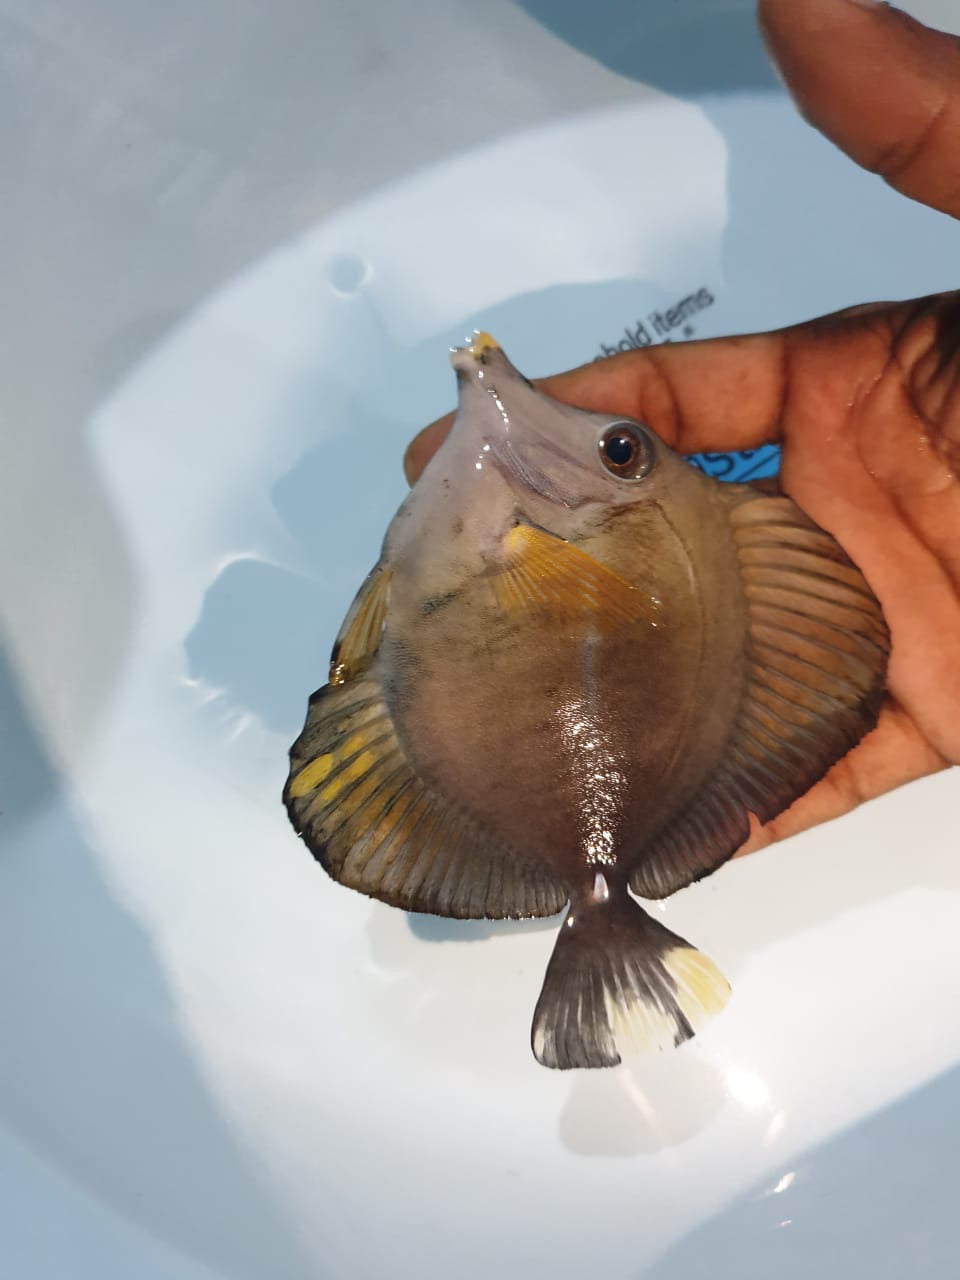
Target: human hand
(865, 403)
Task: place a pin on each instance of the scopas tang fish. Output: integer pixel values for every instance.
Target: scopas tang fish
(577, 667)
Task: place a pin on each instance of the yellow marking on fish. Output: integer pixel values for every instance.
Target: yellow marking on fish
(349, 806)
(311, 775)
(369, 816)
(482, 343)
(637, 1024)
(363, 626)
(544, 572)
(353, 743)
(352, 773)
(702, 990)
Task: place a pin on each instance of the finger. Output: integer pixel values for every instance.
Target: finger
(893, 754)
(882, 86)
(424, 445)
(722, 394)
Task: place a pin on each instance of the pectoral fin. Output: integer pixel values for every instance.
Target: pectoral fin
(364, 813)
(542, 572)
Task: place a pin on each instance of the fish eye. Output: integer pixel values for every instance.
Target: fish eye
(626, 451)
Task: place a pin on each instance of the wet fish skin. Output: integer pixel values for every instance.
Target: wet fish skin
(567, 679)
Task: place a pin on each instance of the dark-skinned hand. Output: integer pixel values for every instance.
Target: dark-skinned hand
(876, 389)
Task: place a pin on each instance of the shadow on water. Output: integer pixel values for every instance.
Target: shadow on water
(95, 1075)
(645, 41)
(26, 781)
(441, 929)
(641, 1108)
(851, 1206)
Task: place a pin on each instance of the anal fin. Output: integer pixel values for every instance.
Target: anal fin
(367, 817)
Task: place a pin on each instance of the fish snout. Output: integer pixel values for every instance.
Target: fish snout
(487, 384)
(481, 351)
(518, 429)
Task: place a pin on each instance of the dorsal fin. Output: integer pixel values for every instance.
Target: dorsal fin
(817, 648)
(363, 812)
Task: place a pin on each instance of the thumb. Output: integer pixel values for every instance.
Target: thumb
(882, 86)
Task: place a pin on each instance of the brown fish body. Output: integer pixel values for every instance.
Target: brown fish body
(598, 734)
(577, 669)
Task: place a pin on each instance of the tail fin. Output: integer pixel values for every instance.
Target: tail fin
(619, 982)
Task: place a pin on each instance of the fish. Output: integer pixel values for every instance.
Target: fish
(577, 668)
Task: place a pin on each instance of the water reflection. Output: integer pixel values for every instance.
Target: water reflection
(643, 1107)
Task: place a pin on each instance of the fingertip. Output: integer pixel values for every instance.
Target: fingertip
(795, 35)
(783, 22)
(879, 84)
(423, 446)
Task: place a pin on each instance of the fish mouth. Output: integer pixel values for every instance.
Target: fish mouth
(481, 344)
(509, 403)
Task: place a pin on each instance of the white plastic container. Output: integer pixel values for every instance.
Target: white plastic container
(239, 241)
